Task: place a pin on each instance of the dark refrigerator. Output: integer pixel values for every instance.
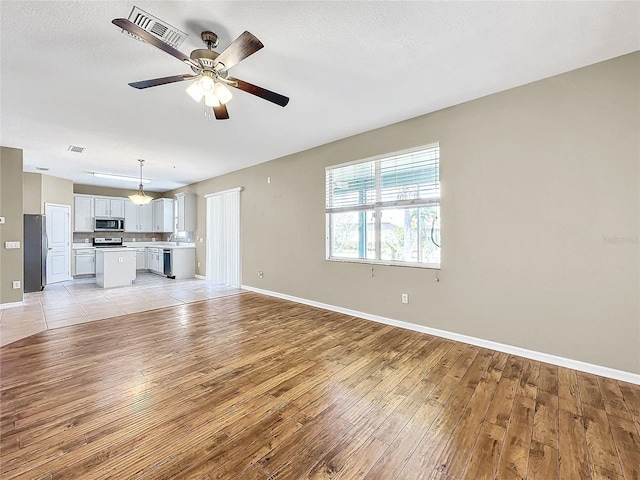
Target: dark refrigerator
(35, 253)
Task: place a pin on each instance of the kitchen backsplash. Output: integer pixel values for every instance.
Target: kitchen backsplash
(79, 237)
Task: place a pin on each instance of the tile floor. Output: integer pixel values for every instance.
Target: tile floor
(81, 300)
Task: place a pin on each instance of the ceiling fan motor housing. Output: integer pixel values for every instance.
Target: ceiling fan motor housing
(204, 57)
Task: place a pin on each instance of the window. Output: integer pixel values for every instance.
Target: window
(386, 210)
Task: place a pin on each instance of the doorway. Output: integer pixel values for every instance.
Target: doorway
(223, 237)
(58, 225)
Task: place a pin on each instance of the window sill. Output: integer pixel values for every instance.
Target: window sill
(428, 266)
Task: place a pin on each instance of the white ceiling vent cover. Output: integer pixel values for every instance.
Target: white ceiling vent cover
(75, 149)
(158, 28)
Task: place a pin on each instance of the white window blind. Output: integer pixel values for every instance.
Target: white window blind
(386, 209)
(404, 179)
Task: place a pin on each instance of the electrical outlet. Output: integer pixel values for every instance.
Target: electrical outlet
(268, 179)
(260, 274)
(198, 264)
(16, 284)
(201, 239)
(405, 298)
(120, 259)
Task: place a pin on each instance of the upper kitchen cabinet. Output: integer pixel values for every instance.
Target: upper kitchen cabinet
(138, 218)
(83, 213)
(186, 211)
(109, 207)
(163, 215)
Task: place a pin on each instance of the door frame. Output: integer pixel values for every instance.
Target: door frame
(69, 233)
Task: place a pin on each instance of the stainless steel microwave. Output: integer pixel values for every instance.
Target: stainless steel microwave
(103, 224)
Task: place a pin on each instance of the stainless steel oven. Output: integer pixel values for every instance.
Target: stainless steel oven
(103, 224)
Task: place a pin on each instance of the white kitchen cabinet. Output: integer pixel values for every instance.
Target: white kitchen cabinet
(155, 260)
(186, 212)
(138, 218)
(112, 207)
(115, 267)
(84, 261)
(141, 258)
(146, 217)
(183, 263)
(83, 213)
(163, 215)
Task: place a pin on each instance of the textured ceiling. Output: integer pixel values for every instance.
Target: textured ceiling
(348, 67)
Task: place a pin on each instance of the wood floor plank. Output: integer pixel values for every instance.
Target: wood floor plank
(545, 420)
(252, 387)
(514, 459)
(574, 463)
(614, 403)
(359, 464)
(569, 391)
(394, 458)
(453, 459)
(486, 453)
(425, 457)
(627, 443)
(590, 390)
(600, 446)
(543, 462)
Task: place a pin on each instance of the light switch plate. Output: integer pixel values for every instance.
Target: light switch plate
(10, 245)
(2, 220)
(16, 284)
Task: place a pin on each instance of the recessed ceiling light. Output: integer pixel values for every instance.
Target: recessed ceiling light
(120, 177)
(75, 149)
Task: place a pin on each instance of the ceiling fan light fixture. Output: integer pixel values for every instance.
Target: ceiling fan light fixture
(210, 100)
(223, 93)
(206, 84)
(195, 91)
(140, 198)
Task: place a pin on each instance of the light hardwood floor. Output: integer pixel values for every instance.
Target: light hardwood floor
(252, 387)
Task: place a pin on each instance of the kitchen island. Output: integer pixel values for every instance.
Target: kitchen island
(115, 267)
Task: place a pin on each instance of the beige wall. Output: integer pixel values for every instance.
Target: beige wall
(57, 190)
(11, 264)
(32, 193)
(540, 219)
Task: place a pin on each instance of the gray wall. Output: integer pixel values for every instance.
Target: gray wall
(11, 265)
(540, 219)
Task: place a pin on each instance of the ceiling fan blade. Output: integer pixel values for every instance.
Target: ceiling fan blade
(268, 95)
(161, 81)
(243, 46)
(221, 112)
(133, 29)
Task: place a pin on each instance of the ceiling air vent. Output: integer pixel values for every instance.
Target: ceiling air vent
(159, 28)
(75, 149)
(43, 169)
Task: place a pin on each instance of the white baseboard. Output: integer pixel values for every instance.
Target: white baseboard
(479, 342)
(11, 305)
(201, 277)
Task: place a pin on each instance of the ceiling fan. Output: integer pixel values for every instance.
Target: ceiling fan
(210, 68)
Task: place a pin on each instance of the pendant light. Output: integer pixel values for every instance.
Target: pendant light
(139, 198)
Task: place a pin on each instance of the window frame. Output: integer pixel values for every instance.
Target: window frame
(377, 208)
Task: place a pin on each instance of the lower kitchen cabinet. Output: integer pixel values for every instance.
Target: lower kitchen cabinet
(84, 261)
(155, 260)
(141, 259)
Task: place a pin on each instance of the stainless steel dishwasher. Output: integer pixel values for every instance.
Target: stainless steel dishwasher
(168, 262)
